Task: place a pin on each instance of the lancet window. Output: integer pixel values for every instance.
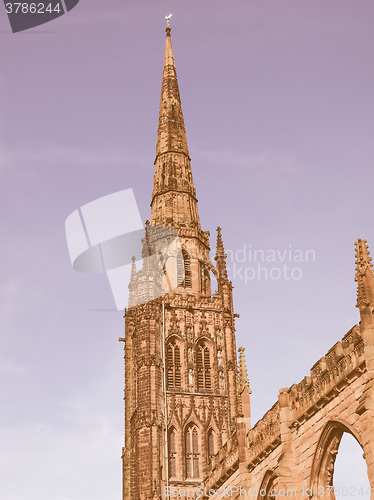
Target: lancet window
(211, 448)
(173, 362)
(192, 453)
(172, 449)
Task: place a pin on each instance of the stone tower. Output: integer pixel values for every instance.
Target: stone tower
(181, 378)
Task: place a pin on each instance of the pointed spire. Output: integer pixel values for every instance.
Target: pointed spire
(220, 257)
(364, 275)
(174, 200)
(171, 136)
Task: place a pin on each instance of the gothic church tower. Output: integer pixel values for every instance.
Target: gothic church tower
(181, 376)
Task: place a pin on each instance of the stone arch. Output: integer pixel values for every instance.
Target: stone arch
(267, 485)
(192, 419)
(322, 472)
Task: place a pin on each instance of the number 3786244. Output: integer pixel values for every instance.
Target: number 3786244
(32, 8)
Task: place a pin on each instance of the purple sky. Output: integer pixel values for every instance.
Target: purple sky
(278, 104)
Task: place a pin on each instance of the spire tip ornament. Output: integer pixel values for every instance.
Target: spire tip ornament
(168, 20)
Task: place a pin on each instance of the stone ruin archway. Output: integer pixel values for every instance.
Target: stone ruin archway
(322, 474)
(268, 484)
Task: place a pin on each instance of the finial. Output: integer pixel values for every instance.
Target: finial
(244, 406)
(220, 257)
(147, 239)
(133, 268)
(365, 284)
(364, 274)
(132, 284)
(242, 372)
(168, 20)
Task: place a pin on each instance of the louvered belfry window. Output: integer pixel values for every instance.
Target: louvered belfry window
(187, 271)
(203, 279)
(204, 378)
(180, 269)
(173, 366)
(192, 453)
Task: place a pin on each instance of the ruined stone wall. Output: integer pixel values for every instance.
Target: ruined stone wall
(294, 445)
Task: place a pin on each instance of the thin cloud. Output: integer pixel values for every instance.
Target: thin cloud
(47, 152)
(265, 162)
(5, 159)
(10, 365)
(64, 462)
(17, 298)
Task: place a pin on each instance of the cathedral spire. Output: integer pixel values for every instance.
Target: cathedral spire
(365, 284)
(174, 200)
(186, 339)
(171, 136)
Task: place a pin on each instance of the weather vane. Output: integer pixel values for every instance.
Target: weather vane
(168, 20)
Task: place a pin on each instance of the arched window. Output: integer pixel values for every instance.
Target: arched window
(172, 448)
(173, 362)
(192, 453)
(204, 378)
(211, 452)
